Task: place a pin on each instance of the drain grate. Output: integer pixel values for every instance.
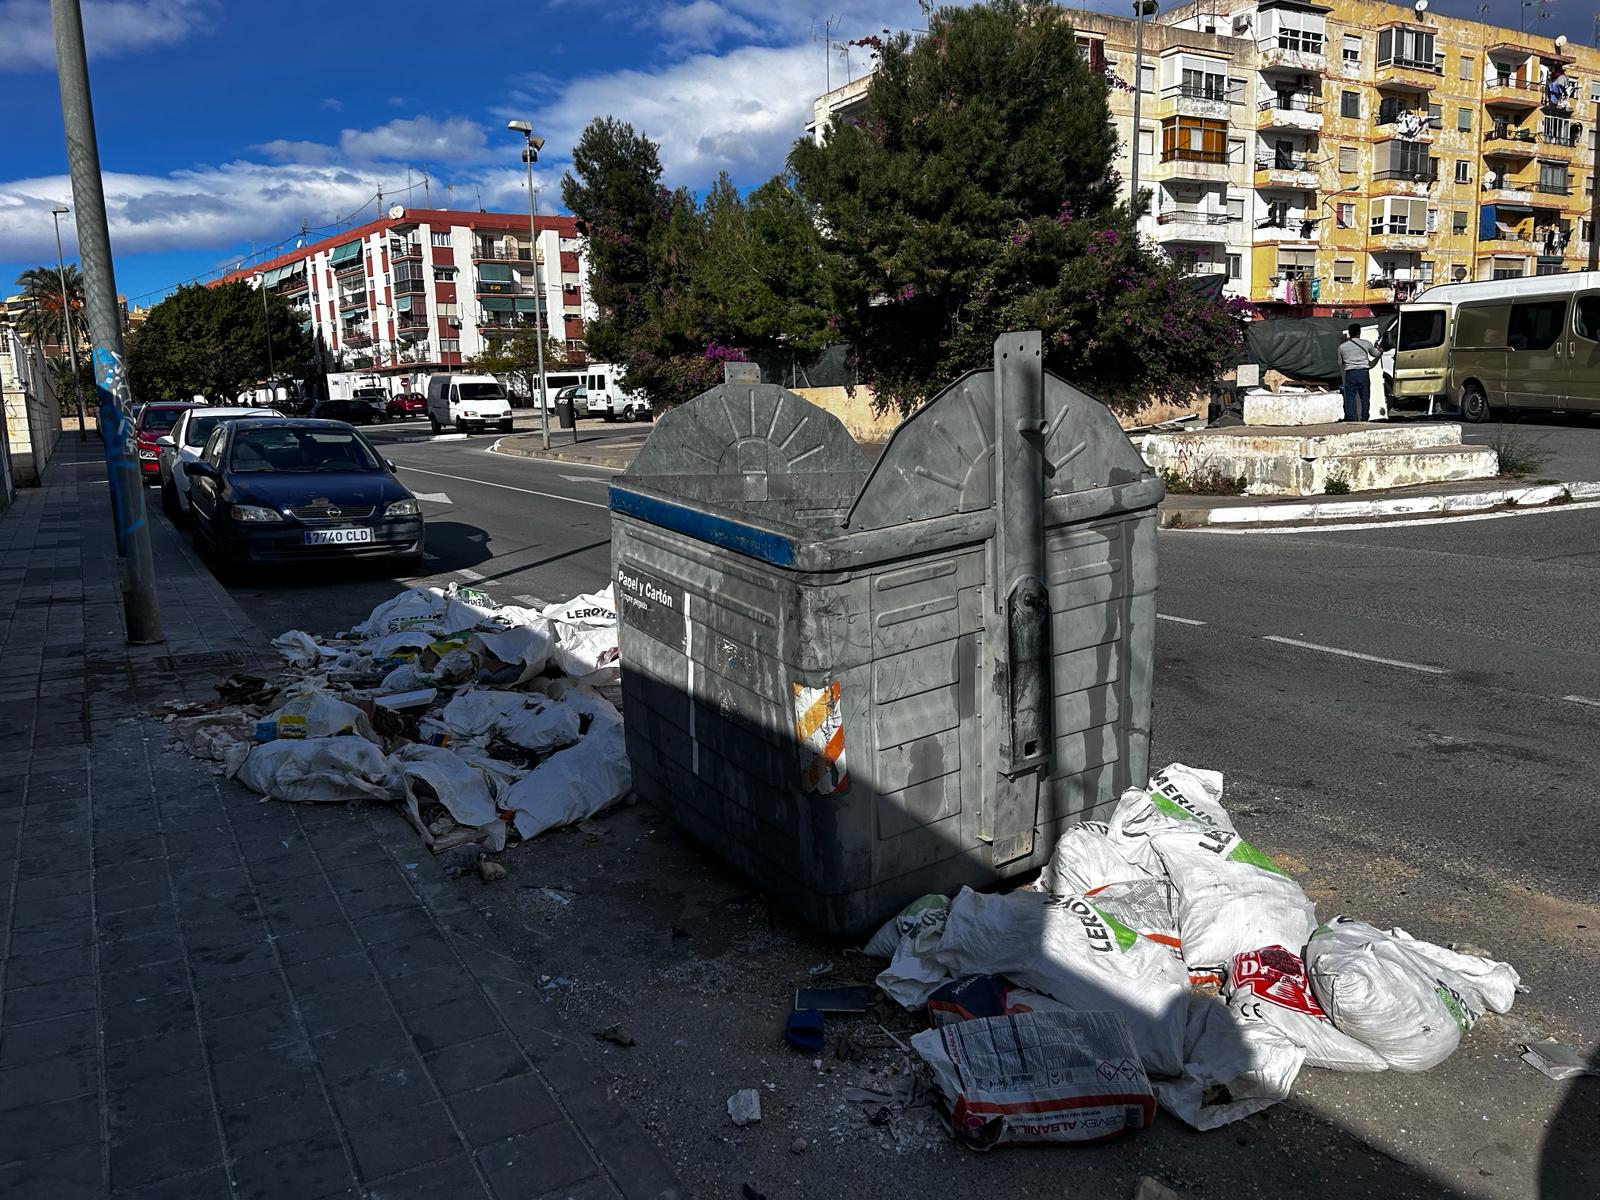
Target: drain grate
(201, 660)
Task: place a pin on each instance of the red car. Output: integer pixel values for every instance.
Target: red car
(155, 421)
(406, 404)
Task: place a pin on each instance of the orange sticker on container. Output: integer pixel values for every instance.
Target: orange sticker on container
(819, 728)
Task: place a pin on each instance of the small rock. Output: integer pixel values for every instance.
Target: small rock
(440, 826)
(799, 1146)
(744, 1107)
(1149, 1189)
(491, 872)
(617, 1034)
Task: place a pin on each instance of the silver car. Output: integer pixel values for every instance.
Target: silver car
(183, 445)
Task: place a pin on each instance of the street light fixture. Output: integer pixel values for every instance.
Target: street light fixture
(57, 211)
(530, 155)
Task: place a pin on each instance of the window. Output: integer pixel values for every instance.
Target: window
(1407, 160)
(1147, 142)
(1586, 317)
(1548, 269)
(447, 310)
(1350, 104)
(1588, 186)
(1147, 78)
(1421, 330)
(1093, 52)
(1301, 32)
(1347, 159)
(1345, 216)
(1352, 50)
(1594, 90)
(1463, 118)
(1396, 214)
(1536, 324)
(440, 237)
(1553, 179)
(449, 345)
(1235, 266)
(1458, 220)
(1207, 85)
(1463, 171)
(1466, 67)
(1344, 270)
(1296, 264)
(1509, 268)
(1235, 208)
(1191, 139)
(1406, 48)
(444, 274)
(1560, 131)
(1236, 150)
(1433, 219)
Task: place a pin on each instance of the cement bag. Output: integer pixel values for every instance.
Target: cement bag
(1495, 983)
(1232, 1068)
(577, 782)
(476, 712)
(299, 649)
(908, 920)
(417, 608)
(593, 611)
(910, 941)
(1383, 991)
(320, 769)
(1177, 795)
(515, 655)
(1229, 897)
(434, 773)
(1066, 948)
(1034, 1079)
(541, 725)
(1271, 986)
(314, 714)
(587, 654)
(979, 996)
(465, 607)
(1085, 859)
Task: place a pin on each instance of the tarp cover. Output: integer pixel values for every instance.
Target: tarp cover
(1302, 347)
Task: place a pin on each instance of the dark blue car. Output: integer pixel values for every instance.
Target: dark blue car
(298, 489)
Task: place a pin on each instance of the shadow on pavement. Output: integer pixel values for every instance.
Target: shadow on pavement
(1569, 1165)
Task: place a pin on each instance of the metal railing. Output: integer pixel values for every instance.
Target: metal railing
(1554, 189)
(1400, 62)
(1299, 102)
(1185, 217)
(402, 286)
(1226, 93)
(1296, 41)
(1286, 164)
(405, 249)
(1409, 175)
(1190, 154)
(1509, 133)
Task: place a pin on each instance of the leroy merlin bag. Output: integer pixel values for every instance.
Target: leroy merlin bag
(910, 941)
(1232, 1068)
(1066, 948)
(1271, 985)
(1385, 991)
(314, 714)
(418, 608)
(1229, 897)
(1085, 859)
(1176, 796)
(319, 770)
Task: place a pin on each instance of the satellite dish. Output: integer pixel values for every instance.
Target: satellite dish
(1421, 6)
(1561, 41)
(396, 212)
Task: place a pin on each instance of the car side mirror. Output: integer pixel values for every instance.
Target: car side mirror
(391, 464)
(166, 440)
(202, 469)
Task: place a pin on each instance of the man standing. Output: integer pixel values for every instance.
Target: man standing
(1356, 356)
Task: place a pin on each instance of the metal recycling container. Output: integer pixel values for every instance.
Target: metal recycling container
(862, 682)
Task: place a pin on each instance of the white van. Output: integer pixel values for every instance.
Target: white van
(466, 401)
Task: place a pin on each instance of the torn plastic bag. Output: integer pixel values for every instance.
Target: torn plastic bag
(1034, 1079)
(474, 712)
(434, 773)
(1232, 1068)
(1384, 991)
(322, 769)
(588, 654)
(465, 607)
(514, 655)
(407, 643)
(1069, 950)
(1496, 983)
(577, 782)
(1271, 985)
(909, 919)
(417, 608)
(915, 973)
(213, 735)
(407, 677)
(299, 649)
(985, 996)
(594, 610)
(530, 720)
(500, 775)
(1229, 897)
(1177, 795)
(1085, 858)
(314, 714)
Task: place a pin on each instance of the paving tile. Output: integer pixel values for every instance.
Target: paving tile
(145, 1018)
(26, 970)
(160, 1151)
(57, 936)
(159, 1101)
(537, 1163)
(351, 1051)
(384, 1088)
(450, 1023)
(52, 1177)
(329, 974)
(202, 1185)
(311, 1167)
(234, 995)
(476, 1064)
(254, 1075)
(73, 1035)
(50, 999)
(452, 1179)
(165, 1054)
(143, 982)
(52, 1126)
(265, 1032)
(402, 1139)
(277, 1120)
(500, 1110)
(438, 985)
(330, 941)
(412, 954)
(43, 1082)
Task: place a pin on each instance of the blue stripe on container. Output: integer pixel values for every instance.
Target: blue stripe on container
(717, 531)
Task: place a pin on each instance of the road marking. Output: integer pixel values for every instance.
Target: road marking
(533, 602)
(1179, 620)
(506, 487)
(435, 497)
(470, 575)
(1412, 523)
(585, 479)
(1373, 658)
(1583, 700)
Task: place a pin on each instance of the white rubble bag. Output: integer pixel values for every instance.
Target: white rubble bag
(465, 607)
(1176, 795)
(1069, 950)
(299, 649)
(527, 719)
(420, 608)
(593, 610)
(1038, 1078)
(1084, 859)
(910, 939)
(321, 769)
(577, 782)
(586, 636)
(1232, 1068)
(314, 714)
(1405, 1004)
(455, 783)
(1270, 985)
(524, 648)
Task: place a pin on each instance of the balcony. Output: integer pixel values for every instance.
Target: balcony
(1552, 188)
(1410, 124)
(1292, 51)
(1209, 166)
(1513, 193)
(1291, 231)
(1510, 92)
(494, 287)
(501, 252)
(1302, 113)
(353, 302)
(1392, 239)
(1509, 141)
(399, 250)
(1186, 225)
(409, 285)
(1559, 144)
(411, 327)
(1507, 241)
(1188, 100)
(1286, 172)
(355, 341)
(1408, 75)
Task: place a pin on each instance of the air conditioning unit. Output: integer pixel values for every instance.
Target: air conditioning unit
(453, 322)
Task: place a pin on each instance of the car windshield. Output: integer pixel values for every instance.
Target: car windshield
(200, 428)
(481, 391)
(159, 420)
(280, 449)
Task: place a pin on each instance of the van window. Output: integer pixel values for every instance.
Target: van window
(1421, 330)
(1535, 325)
(1481, 326)
(1586, 317)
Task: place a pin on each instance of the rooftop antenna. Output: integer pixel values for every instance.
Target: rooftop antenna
(478, 191)
(827, 51)
(427, 201)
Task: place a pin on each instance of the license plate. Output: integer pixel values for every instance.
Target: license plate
(337, 537)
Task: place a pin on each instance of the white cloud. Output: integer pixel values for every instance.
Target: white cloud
(703, 23)
(333, 103)
(111, 27)
(406, 139)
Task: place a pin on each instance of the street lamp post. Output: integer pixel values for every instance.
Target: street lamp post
(530, 155)
(1142, 9)
(56, 213)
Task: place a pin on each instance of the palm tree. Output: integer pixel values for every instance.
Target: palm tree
(41, 288)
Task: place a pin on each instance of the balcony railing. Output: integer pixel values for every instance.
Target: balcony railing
(356, 341)
(1179, 216)
(411, 325)
(1411, 64)
(1286, 164)
(483, 252)
(1222, 93)
(1563, 140)
(1190, 154)
(402, 286)
(1299, 102)
(1410, 176)
(1509, 133)
(1554, 189)
(405, 250)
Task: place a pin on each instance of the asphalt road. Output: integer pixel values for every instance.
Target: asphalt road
(1407, 719)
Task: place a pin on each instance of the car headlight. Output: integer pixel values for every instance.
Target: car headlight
(148, 455)
(403, 508)
(252, 512)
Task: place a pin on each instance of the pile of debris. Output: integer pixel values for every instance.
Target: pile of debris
(483, 721)
(1162, 958)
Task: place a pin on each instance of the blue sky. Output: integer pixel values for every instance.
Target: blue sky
(224, 123)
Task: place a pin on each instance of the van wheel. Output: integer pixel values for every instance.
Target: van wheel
(433, 424)
(630, 414)
(1474, 404)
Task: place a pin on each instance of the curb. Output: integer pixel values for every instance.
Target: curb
(566, 455)
(1541, 495)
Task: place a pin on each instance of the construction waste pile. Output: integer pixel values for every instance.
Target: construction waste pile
(483, 721)
(1162, 959)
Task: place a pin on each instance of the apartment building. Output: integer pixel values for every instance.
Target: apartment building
(422, 290)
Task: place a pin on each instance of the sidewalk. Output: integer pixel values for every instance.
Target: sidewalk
(615, 452)
(203, 995)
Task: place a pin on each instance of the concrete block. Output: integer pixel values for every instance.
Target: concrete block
(1262, 407)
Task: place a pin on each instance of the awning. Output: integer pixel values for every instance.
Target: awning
(496, 303)
(276, 275)
(348, 252)
(402, 304)
(494, 272)
(528, 304)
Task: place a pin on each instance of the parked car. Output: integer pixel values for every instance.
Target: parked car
(406, 404)
(372, 394)
(182, 446)
(297, 489)
(463, 401)
(356, 412)
(601, 403)
(155, 419)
